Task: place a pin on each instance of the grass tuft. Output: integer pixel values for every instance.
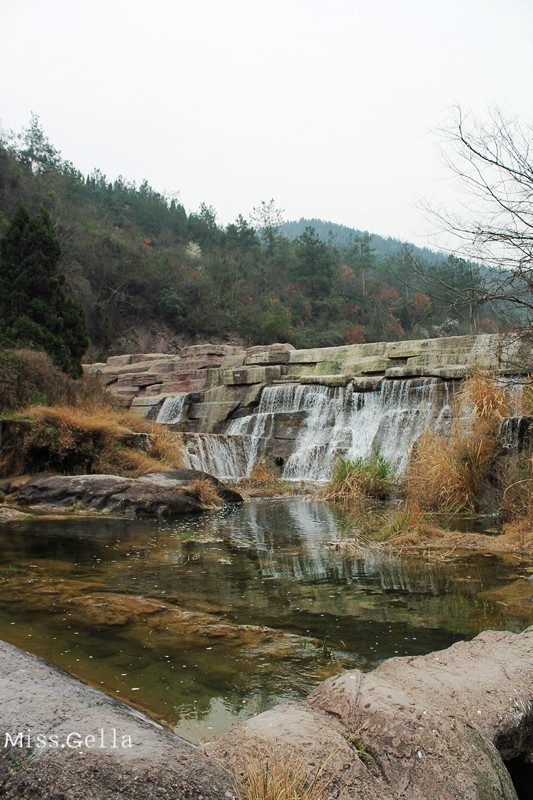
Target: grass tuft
(448, 473)
(205, 491)
(352, 481)
(270, 772)
(263, 483)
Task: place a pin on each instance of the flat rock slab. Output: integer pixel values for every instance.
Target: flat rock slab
(156, 495)
(86, 737)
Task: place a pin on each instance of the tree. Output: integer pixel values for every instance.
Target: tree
(35, 311)
(35, 150)
(493, 168)
(268, 220)
(316, 264)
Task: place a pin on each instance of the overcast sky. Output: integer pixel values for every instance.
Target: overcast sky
(328, 107)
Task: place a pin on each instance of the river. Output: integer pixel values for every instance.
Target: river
(152, 612)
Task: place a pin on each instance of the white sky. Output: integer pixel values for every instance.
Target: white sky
(327, 107)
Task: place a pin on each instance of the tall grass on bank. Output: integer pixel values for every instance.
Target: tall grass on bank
(86, 439)
(364, 477)
(448, 473)
(515, 475)
(28, 377)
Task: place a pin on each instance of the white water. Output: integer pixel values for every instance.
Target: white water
(340, 422)
(171, 411)
(222, 456)
(326, 423)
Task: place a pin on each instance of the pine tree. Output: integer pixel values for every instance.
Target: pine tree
(35, 311)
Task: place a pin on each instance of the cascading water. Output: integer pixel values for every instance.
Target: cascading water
(275, 402)
(324, 423)
(341, 422)
(171, 411)
(222, 456)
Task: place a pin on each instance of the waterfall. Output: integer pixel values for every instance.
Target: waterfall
(222, 456)
(334, 422)
(324, 424)
(515, 432)
(275, 401)
(352, 424)
(171, 411)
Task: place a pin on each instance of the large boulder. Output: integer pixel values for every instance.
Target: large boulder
(438, 726)
(163, 494)
(62, 740)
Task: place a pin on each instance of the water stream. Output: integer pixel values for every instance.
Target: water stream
(159, 613)
(326, 423)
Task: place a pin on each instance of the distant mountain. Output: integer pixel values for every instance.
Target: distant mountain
(342, 235)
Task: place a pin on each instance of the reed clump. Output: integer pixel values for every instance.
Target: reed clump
(261, 482)
(354, 480)
(448, 473)
(28, 377)
(515, 475)
(205, 491)
(86, 439)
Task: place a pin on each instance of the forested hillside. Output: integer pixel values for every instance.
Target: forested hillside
(341, 235)
(132, 256)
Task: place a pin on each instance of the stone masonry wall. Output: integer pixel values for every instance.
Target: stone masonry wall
(221, 382)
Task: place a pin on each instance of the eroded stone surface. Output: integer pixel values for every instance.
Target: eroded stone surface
(157, 494)
(434, 726)
(41, 699)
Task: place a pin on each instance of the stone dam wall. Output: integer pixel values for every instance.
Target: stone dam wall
(284, 406)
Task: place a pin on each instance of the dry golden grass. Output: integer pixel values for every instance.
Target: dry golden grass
(263, 483)
(89, 439)
(205, 491)
(447, 473)
(406, 522)
(519, 534)
(271, 772)
(526, 398)
(490, 401)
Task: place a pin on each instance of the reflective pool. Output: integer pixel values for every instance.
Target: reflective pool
(209, 619)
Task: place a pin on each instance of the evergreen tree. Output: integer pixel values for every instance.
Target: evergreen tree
(35, 311)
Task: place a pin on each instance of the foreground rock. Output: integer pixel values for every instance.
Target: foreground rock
(157, 495)
(37, 699)
(436, 726)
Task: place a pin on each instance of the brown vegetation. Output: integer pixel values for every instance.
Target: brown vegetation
(447, 473)
(263, 483)
(90, 439)
(205, 491)
(466, 471)
(268, 771)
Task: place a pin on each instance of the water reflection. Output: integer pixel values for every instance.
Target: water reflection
(154, 612)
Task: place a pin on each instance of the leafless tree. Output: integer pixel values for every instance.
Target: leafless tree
(492, 166)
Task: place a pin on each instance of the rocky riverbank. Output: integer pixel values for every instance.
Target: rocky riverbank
(438, 726)
(158, 494)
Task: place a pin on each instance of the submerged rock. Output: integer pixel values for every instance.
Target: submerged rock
(155, 495)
